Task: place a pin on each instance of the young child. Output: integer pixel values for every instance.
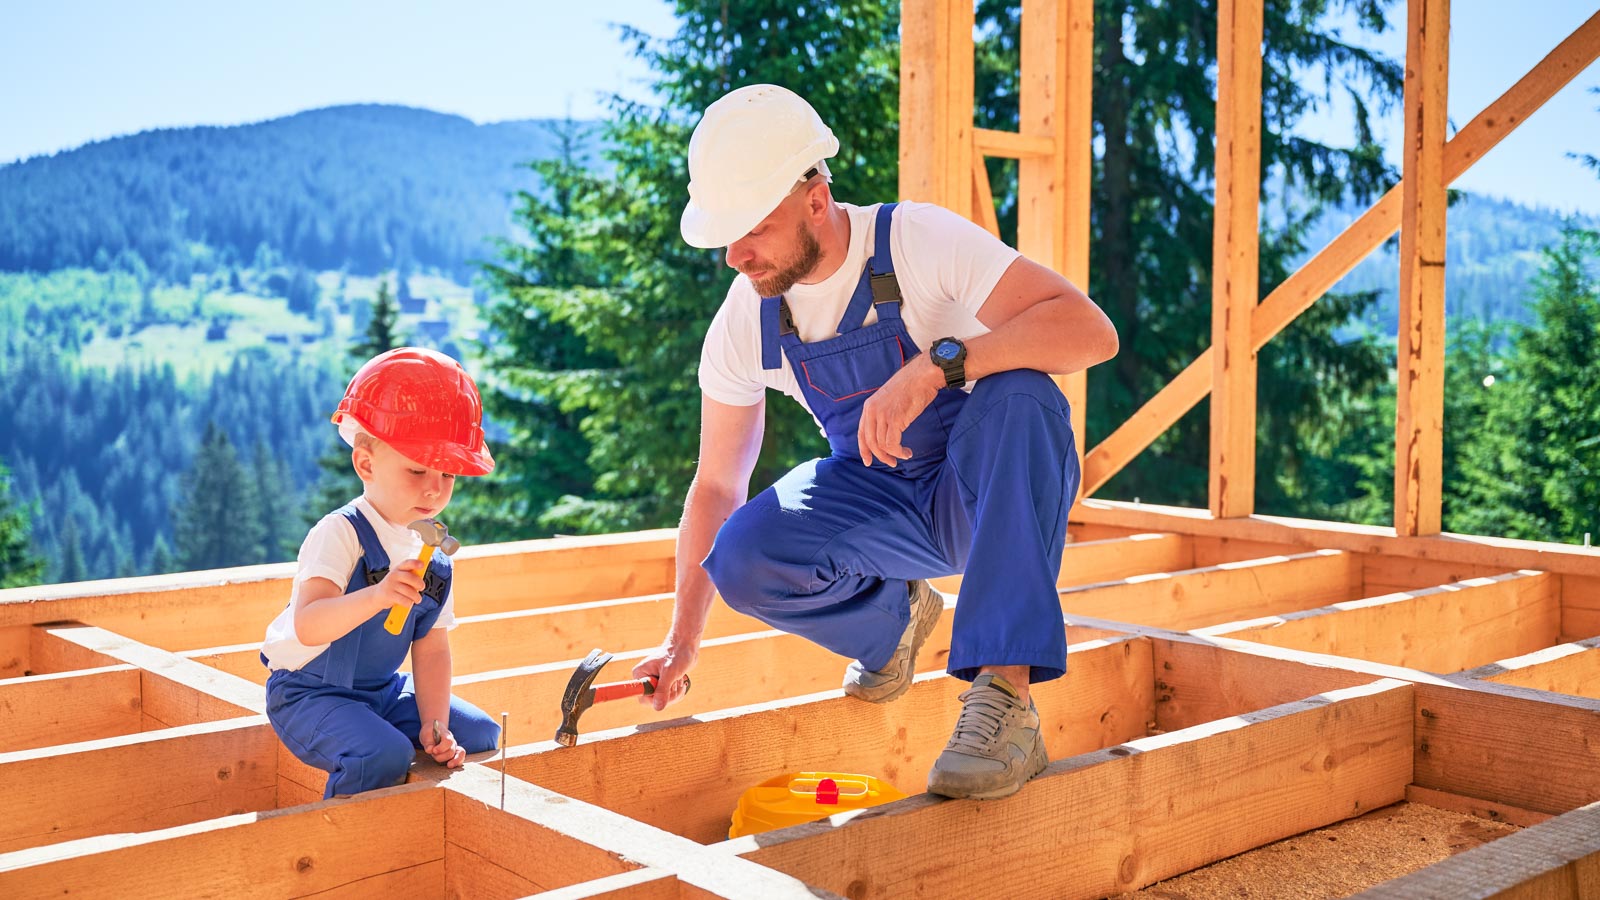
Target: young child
(335, 696)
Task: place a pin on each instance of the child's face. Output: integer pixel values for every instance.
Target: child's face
(401, 490)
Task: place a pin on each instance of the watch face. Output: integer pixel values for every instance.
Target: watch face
(946, 349)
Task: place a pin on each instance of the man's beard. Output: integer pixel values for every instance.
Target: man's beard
(806, 259)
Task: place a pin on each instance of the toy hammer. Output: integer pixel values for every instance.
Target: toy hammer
(580, 695)
(434, 536)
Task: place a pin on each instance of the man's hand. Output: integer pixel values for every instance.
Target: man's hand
(892, 408)
(669, 663)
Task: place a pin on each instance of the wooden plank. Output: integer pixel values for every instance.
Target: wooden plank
(65, 708)
(324, 847)
(239, 660)
(936, 100)
(1199, 681)
(1500, 554)
(1580, 607)
(983, 211)
(1564, 669)
(1105, 699)
(49, 654)
(1528, 749)
(1010, 144)
(1391, 574)
(1211, 551)
(1222, 593)
(421, 880)
(228, 689)
(1297, 292)
(1419, 429)
(1485, 618)
(137, 782)
(1132, 814)
(172, 703)
(1094, 561)
(523, 848)
(1558, 858)
(14, 651)
(639, 884)
(471, 877)
(1483, 809)
(628, 844)
(1235, 279)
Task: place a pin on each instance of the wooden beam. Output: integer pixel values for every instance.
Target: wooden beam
(1391, 574)
(1580, 607)
(325, 847)
(544, 857)
(1091, 562)
(639, 884)
(14, 651)
(936, 101)
(50, 654)
(1558, 858)
(1133, 814)
(1010, 144)
(1419, 429)
(231, 695)
(1105, 699)
(1471, 806)
(1235, 279)
(983, 211)
(137, 782)
(1200, 681)
(1223, 593)
(43, 710)
(1500, 554)
(1485, 619)
(536, 817)
(1527, 749)
(1296, 293)
(1564, 669)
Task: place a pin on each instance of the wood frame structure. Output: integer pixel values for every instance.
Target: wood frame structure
(1233, 680)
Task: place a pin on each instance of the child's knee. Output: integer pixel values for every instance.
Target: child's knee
(474, 731)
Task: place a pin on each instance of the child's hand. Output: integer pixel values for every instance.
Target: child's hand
(401, 587)
(444, 751)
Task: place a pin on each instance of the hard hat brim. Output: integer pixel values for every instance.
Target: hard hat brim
(450, 458)
(710, 231)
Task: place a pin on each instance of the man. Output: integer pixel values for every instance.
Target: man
(879, 320)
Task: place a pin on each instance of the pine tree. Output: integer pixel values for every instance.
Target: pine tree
(20, 566)
(643, 298)
(216, 522)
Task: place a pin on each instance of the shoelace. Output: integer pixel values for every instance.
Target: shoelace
(982, 715)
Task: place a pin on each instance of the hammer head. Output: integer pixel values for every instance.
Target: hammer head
(578, 696)
(435, 535)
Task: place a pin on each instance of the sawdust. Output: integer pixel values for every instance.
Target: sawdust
(1335, 861)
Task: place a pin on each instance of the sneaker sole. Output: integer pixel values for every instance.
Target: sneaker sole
(928, 617)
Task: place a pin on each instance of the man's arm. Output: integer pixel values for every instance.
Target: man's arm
(730, 439)
(1036, 319)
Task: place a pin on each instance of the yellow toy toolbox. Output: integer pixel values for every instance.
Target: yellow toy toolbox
(805, 797)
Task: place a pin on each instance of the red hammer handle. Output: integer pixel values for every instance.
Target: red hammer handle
(604, 692)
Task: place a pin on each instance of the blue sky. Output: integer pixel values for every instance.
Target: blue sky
(73, 71)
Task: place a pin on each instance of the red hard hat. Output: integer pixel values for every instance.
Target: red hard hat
(423, 404)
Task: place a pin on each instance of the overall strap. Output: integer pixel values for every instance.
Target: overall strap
(339, 666)
(878, 288)
(777, 328)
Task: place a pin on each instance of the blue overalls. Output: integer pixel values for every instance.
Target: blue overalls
(825, 553)
(350, 712)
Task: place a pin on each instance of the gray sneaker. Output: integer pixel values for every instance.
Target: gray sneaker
(893, 679)
(996, 746)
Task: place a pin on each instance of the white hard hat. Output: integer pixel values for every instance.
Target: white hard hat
(749, 150)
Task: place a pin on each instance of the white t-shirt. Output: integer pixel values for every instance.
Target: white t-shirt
(946, 265)
(331, 550)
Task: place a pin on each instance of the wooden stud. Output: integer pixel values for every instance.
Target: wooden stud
(1234, 259)
(1580, 607)
(936, 102)
(1485, 619)
(1011, 145)
(42, 710)
(1564, 669)
(1133, 814)
(983, 211)
(325, 847)
(1200, 681)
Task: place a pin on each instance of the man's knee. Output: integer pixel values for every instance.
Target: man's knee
(745, 562)
(1018, 382)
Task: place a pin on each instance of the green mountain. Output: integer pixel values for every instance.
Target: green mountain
(361, 188)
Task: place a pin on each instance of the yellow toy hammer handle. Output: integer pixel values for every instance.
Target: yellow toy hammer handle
(399, 612)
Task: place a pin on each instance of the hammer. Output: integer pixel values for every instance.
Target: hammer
(583, 693)
(434, 536)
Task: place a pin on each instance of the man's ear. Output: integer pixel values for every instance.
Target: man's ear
(817, 197)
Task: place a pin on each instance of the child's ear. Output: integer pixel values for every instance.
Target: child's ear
(361, 461)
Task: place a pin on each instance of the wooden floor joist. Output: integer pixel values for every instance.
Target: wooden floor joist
(1564, 669)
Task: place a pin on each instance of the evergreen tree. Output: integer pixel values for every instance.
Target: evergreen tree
(70, 555)
(1533, 470)
(641, 297)
(1152, 213)
(217, 522)
(20, 566)
(275, 488)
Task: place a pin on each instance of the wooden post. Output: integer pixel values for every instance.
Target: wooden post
(1419, 425)
(1235, 258)
(1057, 56)
(936, 104)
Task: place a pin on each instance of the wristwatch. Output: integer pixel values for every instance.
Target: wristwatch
(950, 354)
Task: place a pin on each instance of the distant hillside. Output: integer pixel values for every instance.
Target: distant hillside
(360, 187)
(1491, 256)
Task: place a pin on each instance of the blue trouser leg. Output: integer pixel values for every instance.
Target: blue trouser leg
(363, 739)
(1015, 470)
(825, 553)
